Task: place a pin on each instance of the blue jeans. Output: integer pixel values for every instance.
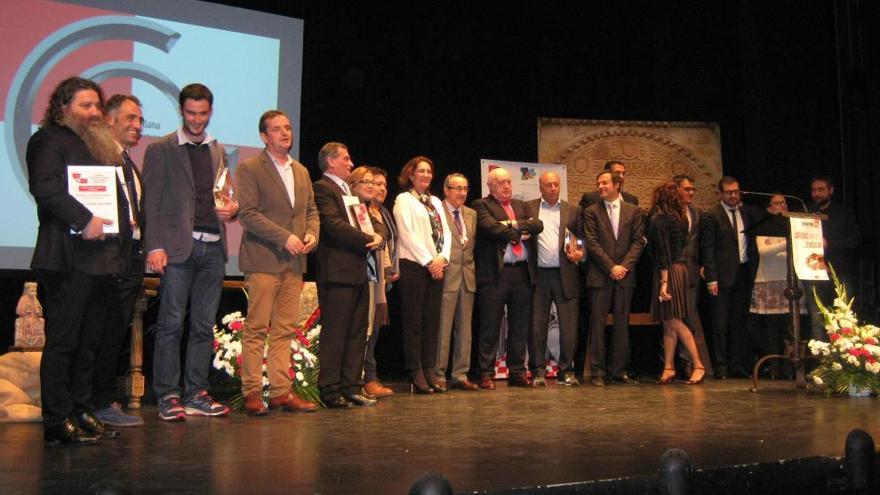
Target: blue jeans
(198, 280)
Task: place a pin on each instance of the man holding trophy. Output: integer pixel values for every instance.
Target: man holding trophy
(187, 192)
(556, 252)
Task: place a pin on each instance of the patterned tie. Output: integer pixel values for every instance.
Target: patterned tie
(346, 189)
(517, 248)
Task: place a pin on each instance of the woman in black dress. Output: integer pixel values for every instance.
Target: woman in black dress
(667, 237)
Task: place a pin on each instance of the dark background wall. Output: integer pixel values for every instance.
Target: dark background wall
(793, 84)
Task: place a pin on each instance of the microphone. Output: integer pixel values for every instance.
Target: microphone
(770, 195)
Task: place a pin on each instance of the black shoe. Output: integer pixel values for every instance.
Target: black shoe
(539, 381)
(90, 424)
(626, 379)
(433, 382)
(418, 384)
(67, 432)
(360, 400)
(338, 403)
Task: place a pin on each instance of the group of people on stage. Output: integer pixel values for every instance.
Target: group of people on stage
(442, 255)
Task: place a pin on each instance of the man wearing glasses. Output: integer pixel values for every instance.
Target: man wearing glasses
(731, 261)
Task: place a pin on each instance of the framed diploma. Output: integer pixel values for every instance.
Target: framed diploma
(95, 187)
(361, 218)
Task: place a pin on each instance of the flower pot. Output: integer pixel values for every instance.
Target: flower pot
(856, 391)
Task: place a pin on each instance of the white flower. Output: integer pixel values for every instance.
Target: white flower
(852, 360)
(306, 384)
(817, 380)
(299, 376)
(265, 380)
(297, 356)
(836, 366)
(873, 367)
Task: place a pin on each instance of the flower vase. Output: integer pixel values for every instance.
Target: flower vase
(857, 391)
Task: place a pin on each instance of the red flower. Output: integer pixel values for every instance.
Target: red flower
(238, 360)
(846, 331)
(235, 326)
(833, 337)
(291, 373)
(871, 341)
(303, 340)
(216, 345)
(871, 359)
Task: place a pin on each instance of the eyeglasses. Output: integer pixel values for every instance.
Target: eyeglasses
(367, 182)
(459, 188)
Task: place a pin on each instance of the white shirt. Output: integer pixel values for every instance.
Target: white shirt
(285, 170)
(414, 228)
(451, 209)
(613, 209)
(740, 235)
(182, 138)
(548, 239)
(136, 235)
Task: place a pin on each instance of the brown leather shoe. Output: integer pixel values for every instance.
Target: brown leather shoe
(253, 404)
(487, 384)
(293, 403)
(464, 385)
(521, 381)
(376, 389)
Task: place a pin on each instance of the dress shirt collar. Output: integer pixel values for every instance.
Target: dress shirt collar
(548, 206)
(182, 138)
(287, 163)
(339, 182)
(615, 202)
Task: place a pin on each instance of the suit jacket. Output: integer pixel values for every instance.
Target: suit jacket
(605, 251)
(592, 197)
(269, 219)
(569, 218)
(493, 237)
(341, 258)
(49, 151)
(843, 238)
(461, 268)
(721, 262)
(692, 250)
(170, 197)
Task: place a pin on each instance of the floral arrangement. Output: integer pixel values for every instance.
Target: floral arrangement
(850, 360)
(304, 364)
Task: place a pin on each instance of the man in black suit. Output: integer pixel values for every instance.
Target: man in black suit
(343, 289)
(615, 167)
(126, 120)
(73, 259)
(504, 277)
(615, 238)
(693, 254)
(730, 266)
(841, 238)
(556, 254)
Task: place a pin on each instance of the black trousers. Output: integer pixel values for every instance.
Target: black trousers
(344, 315)
(730, 309)
(75, 308)
(126, 288)
(514, 290)
(549, 291)
(421, 297)
(619, 300)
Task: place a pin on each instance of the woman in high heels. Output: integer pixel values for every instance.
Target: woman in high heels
(423, 247)
(667, 238)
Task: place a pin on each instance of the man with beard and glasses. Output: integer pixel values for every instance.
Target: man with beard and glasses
(73, 259)
(186, 245)
(125, 119)
(840, 238)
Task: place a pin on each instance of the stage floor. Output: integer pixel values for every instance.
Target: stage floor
(507, 438)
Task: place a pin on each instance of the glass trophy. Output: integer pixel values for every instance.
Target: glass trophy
(222, 187)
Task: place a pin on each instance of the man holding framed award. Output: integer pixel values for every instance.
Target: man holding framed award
(74, 260)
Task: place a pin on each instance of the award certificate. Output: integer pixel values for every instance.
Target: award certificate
(95, 187)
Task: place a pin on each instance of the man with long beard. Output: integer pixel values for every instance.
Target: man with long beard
(73, 259)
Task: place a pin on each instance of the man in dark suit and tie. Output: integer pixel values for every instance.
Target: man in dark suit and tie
(125, 119)
(459, 286)
(693, 255)
(73, 259)
(280, 220)
(615, 167)
(186, 245)
(343, 287)
(504, 277)
(556, 254)
(730, 266)
(614, 232)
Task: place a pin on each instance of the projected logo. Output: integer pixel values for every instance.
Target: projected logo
(55, 47)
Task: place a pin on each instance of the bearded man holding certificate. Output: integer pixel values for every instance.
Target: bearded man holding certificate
(73, 258)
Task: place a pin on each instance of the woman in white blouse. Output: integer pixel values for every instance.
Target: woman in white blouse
(423, 247)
